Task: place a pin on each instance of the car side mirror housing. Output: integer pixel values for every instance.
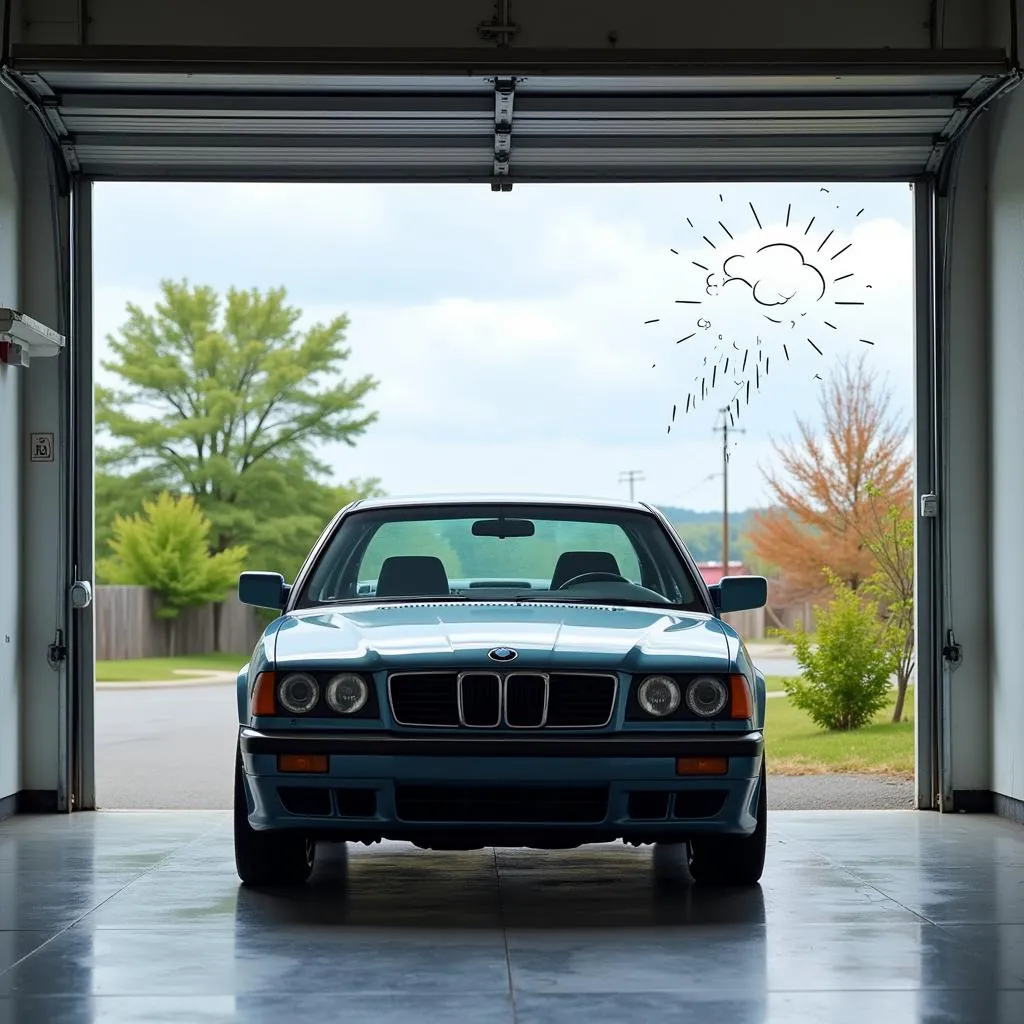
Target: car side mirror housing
(739, 593)
(263, 589)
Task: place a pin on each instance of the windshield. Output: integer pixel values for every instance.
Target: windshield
(503, 553)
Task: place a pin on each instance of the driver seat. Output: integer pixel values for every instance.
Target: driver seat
(575, 563)
(412, 576)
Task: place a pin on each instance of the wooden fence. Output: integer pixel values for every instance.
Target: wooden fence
(127, 626)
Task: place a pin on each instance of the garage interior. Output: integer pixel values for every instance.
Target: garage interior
(910, 916)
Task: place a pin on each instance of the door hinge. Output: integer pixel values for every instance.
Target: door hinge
(952, 652)
(57, 652)
(929, 506)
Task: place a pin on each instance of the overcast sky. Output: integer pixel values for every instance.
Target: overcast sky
(510, 332)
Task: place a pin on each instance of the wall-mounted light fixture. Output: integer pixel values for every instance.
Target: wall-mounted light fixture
(22, 339)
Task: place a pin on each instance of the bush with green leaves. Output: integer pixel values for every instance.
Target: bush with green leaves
(167, 549)
(846, 673)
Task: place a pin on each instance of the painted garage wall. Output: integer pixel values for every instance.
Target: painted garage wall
(1006, 425)
(43, 497)
(10, 452)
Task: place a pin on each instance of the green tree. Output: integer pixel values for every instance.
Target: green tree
(704, 539)
(415, 537)
(228, 402)
(890, 538)
(846, 675)
(119, 494)
(167, 550)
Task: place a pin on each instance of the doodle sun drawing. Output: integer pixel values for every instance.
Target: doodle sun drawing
(776, 289)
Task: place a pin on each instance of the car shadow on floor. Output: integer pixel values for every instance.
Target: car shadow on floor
(598, 887)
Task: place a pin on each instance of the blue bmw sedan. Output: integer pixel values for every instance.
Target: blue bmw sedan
(467, 672)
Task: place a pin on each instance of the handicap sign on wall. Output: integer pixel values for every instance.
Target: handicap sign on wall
(41, 447)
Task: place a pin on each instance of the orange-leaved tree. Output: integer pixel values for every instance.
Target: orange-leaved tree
(829, 485)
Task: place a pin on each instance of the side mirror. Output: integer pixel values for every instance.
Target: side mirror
(739, 593)
(263, 589)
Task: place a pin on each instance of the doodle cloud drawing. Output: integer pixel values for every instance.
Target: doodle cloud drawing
(759, 289)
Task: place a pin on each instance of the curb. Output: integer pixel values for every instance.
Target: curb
(215, 679)
(756, 650)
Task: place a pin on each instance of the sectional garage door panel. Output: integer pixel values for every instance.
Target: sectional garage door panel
(509, 126)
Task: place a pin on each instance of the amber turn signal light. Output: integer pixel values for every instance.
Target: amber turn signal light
(702, 765)
(742, 701)
(302, 762)
(262, 700)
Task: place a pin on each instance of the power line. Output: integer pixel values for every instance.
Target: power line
(631, 477)
(725, 428)
(696, 487)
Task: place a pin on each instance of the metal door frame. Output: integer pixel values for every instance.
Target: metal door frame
(928, 569)
(931, 740)
(81, 675)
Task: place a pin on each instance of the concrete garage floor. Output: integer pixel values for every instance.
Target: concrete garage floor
(889, 916)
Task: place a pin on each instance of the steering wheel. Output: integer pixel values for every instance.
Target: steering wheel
(593, 577)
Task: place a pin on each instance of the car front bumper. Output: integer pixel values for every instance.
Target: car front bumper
(461, 791)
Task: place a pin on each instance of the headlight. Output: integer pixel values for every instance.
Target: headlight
(659, 695)
(706, 696)
(347, 693)
(298, 693)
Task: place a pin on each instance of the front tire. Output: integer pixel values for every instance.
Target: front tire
(733, 860)
(273, 858)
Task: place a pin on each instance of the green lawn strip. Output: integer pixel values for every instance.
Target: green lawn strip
(775, 684)
(794, 745)
(155, 670)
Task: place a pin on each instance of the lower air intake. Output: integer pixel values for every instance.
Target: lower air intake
(512, 805)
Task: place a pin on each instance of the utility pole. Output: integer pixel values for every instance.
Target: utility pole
(725, 428)
(631, 476)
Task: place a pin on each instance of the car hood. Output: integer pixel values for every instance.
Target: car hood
(441, 634)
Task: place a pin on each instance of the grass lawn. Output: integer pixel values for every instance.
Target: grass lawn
(154, 670)
(794, 745)
(773, 684)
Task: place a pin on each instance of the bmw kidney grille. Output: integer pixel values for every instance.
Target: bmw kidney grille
(511, 700)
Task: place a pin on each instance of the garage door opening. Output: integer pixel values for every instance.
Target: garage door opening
(660, 341)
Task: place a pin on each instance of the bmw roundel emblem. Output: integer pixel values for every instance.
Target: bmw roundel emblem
(503, 654)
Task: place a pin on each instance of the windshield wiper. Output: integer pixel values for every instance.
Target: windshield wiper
(615, 602)
(374, 599)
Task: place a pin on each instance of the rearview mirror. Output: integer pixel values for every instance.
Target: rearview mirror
(503, 528)
(739, 593)
(263, 589)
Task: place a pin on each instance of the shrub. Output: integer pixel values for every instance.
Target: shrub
(846, 676)
(167, 550)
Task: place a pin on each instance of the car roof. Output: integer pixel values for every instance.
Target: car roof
(475, 498)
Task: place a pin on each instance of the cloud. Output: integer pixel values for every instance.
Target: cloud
(776, 274)
(884, 248)
(507, 330)
(686, 474)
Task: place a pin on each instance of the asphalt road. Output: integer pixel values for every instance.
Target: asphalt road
(173, 747)
(777, 666)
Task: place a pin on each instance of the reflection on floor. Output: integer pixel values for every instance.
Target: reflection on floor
(861, 916)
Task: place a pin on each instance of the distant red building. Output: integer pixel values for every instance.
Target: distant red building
(712, 571)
